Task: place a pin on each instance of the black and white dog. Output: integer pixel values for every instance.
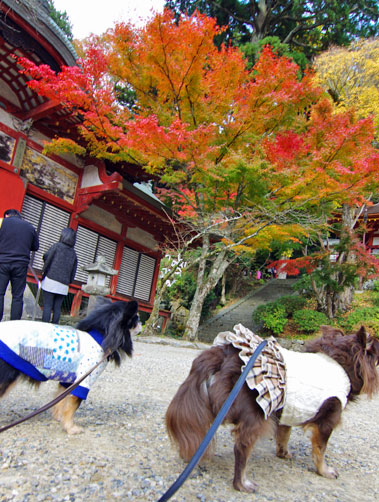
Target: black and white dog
(38, 351)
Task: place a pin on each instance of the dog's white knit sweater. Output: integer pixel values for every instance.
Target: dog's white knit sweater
(55, 352)
(298, 383)
(311, 379)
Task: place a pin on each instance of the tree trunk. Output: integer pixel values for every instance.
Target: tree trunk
(205, 283)
(151, 324)
(320, 295)
(339, 299)
(191, 331)
(343, 299)
(330, 305)
(260, 21)
(223, 288)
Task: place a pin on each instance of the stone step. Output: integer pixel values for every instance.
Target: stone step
(241, 311)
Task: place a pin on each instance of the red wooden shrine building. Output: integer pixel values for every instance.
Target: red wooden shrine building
(110, 206)
(371, 238)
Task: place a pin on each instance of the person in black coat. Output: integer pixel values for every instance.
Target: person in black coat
(17, 239)
(60, 263)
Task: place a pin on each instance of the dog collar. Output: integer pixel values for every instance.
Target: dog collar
(97, 336)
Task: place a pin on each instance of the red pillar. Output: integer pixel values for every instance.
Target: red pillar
(76, 302)
(155, 280)
(12, 191)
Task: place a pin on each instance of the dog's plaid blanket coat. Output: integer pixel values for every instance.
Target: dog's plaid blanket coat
(268, 375)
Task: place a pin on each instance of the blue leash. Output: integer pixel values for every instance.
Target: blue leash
(217, 421)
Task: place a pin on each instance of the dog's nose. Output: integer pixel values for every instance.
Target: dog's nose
(137, 329)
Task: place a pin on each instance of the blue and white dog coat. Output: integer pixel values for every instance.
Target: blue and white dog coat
(46, 351)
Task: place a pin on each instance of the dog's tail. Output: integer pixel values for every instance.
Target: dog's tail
(190, 413)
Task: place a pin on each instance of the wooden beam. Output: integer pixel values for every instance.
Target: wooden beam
(41, 111)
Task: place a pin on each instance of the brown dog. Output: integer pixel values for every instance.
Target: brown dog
(214, 373)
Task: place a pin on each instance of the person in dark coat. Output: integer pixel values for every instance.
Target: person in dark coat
(60, 263)
(17, 239)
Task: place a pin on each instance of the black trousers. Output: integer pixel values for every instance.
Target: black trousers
(14, 273)
(52, 302)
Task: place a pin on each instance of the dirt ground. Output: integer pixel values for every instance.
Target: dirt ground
(124, 452)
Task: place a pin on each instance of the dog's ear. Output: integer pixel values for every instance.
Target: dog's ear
(129, 315)
(131, 308)
(117, 335)
(369, 343)
(374, 349)
(363, 338)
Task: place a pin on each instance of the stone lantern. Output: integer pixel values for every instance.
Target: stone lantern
(98, 273)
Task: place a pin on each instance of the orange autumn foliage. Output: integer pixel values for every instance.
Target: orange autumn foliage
(222, 139)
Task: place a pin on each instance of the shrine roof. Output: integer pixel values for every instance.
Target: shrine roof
(373, 209)
(35, 13)
(27, 30)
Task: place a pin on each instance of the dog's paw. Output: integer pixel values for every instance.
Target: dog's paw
(74, 429)
(56, 414)
(329, 472)
(245, 486)
(283, 453)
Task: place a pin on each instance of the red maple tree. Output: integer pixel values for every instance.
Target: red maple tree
(243, 155)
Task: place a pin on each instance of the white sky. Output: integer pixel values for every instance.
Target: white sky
(96, 16)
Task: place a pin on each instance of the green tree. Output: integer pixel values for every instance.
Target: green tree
(61, 19)
(309, 27)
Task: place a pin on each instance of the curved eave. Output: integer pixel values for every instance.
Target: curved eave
(373, 210)
(44, 29)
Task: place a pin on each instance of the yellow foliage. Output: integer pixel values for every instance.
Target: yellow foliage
(351, 76)
(262, 237)
(63, 145)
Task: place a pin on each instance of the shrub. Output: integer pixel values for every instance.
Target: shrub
(363, 315)
(375, 299)
(272, 315)
(373, 326)
(309, 320)
(292, 303)
(259, 313)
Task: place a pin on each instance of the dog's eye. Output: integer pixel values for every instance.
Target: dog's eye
(133, 321)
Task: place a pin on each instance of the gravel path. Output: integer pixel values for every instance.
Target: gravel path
(124, 453)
